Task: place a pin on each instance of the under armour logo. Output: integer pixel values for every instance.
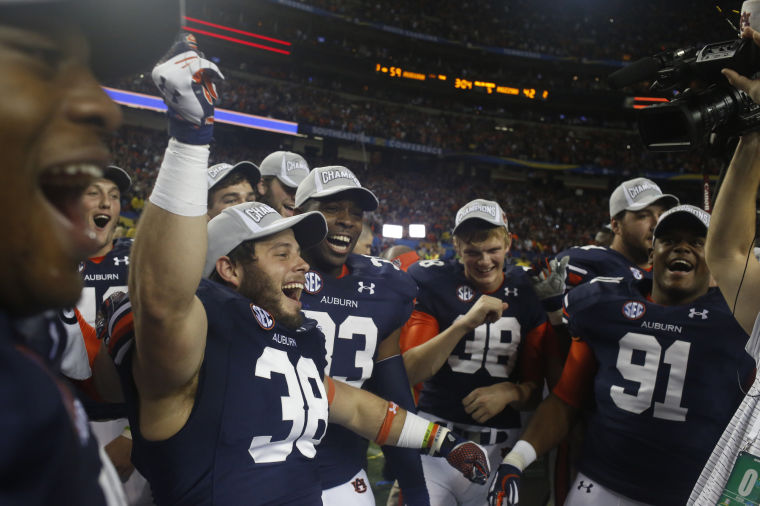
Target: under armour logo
(117, 261)
(587, 487)
(393, 407)
(510, 291)
(693, 313)
(371, 288)
(360, 486)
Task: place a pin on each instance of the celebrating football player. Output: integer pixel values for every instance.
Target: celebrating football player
(231, 184)
(55, 115)
(659, 362)
(482, 329)
(360, 302)
(281, 173)
(225, 383)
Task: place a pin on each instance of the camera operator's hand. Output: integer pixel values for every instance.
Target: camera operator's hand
(750, 86)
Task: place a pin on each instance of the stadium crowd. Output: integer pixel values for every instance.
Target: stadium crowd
(520, 25)
(240, 351)
(474, 131)
(546, 216)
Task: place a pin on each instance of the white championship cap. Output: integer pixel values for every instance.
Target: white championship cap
(256, 220)
(331, 180)
(484, 210)
(636, 194)
(289, 168)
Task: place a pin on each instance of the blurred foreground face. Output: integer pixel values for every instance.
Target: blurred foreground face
(54, 117)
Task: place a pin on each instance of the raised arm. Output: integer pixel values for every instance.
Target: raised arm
(170, 247)
(424, 360)
(732, 229)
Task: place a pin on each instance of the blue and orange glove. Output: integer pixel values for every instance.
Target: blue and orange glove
(467, 457)
(505, 488)
(186, 81)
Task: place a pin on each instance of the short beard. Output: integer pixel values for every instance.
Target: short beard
(263, 292)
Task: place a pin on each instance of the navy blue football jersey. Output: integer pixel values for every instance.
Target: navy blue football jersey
(103, 276)
(486, 356)
(47, 454)
(667, 382)
(589, 262)
(260, 410)
(355, 312)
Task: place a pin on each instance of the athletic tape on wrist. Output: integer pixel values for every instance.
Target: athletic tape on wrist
(415, 432)
(522, 455)
(182, 186)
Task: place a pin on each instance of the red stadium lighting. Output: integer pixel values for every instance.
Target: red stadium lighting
(238, 41)
(235, 30)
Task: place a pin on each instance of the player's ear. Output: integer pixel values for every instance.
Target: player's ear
(615, 225)
(508, 240)
(651, 254)
(261, 187)
(228, 271)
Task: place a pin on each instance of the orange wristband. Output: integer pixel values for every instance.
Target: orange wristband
(385, 429)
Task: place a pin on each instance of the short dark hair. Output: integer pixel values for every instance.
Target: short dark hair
(234, 177)
(244, 252)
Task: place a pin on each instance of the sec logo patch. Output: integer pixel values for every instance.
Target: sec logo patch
(634, 310)
(313, 283)
(465, 293)
(264, 319)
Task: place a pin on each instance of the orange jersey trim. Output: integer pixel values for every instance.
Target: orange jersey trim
(420, 328)
(90, 336)
(577, 381)
(532, 354)
(574, 279)
(96, 260)
(330, 390)
(343, 271)
(407, 259)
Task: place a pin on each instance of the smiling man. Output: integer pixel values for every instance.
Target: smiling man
(281, 173)
(229, 185)
(360, 302)
(660, 363)
(55, 117)
(481, 326)
(225, 381)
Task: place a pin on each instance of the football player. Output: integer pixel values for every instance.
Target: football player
(728, 474)
(231, 184)
(281, 173)
(660, 362)
(225, 382)
(482, 327)
(360, 303)
(55, 115)
(635, 207)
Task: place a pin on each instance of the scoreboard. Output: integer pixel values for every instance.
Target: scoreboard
(441, 81)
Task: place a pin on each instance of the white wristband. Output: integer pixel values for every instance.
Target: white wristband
(522, 455)
(182, 186)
